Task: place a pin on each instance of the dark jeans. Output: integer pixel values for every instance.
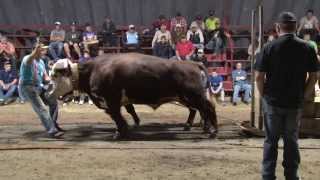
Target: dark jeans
(110, 39)
(285, 122)
(162, 50)
(56, 50)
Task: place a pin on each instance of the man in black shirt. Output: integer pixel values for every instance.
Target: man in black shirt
(73, 38)
(286, 75)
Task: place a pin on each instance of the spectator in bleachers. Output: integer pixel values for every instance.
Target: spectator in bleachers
(310, 24)
(90, 40)
(57, 38)
(7, 53)
(218, 42)
(73, 39)
(109, 32)
(7, 47)
(161, 43)
(184, 49)
(179, 19)
(200, 57)
(240, 84)
(159, 22)
(212, 23)
(8, 84)
(131, 38)
(199, 21)
(216, 86)
(195, 36)
(177, 34)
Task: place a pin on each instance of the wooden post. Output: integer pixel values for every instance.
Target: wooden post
(261, 41)
(252, 59)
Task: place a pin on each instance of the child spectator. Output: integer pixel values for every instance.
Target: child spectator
(195, 36)
(8, 84)
(161, 43)
(240, 83)
(73, 39)
(57, 38)
(109, 32)
(179, 19)
(131, 38)
(184, 49)
(216, 86)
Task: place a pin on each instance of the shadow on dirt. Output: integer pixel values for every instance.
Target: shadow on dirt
(147, 132)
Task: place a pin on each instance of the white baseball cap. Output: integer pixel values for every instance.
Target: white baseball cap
(131, 26)
(57, 23)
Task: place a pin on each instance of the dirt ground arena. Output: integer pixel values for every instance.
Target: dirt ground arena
(159, 149)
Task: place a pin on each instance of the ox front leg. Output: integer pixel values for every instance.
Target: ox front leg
(190, 121)
(130, 109)
(122, 126)
(208, 113)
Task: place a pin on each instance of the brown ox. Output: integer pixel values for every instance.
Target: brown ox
(113, 81)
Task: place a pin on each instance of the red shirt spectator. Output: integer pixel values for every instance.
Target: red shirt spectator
(184, 49)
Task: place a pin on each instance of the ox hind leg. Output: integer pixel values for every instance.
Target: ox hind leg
(130, 109)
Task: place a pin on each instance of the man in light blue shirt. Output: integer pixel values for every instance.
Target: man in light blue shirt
(240, 83)
(31, 83)
(131, 38)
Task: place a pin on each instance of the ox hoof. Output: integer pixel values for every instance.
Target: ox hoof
(213, 135)
(187, 128)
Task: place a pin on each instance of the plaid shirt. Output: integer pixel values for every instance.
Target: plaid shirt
(182, 21)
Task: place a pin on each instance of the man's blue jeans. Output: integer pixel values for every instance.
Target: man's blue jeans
(241, 87)
(56, 50)
(7, 94)
(48, 119)
(281, 122)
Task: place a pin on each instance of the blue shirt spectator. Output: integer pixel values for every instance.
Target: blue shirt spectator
(239, 77)
(8, 81)
(8, 76)
(215, 81)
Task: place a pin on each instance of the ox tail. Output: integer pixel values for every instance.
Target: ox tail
(204, 76)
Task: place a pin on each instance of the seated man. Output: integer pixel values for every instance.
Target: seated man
(195, 36)
(8, 84)
(309, 24)
(109, 32)
(131, 38)
(212, 23)
(184, 49)
(216, 86)
(72, 40)
(57, 37)
(90, 40)
(161, 43)
(240, 83)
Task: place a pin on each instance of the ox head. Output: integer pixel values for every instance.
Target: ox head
(63, 78)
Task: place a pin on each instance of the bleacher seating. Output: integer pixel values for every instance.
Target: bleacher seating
(23, 40)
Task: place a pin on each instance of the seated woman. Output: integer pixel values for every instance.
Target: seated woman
(90, 40)
(195, 36)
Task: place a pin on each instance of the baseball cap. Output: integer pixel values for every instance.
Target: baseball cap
(131, 26)
(287, 17)
(178, 25)
(57, 23)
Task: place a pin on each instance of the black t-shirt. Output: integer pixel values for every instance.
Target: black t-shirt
(74, 37)
(286, 62)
